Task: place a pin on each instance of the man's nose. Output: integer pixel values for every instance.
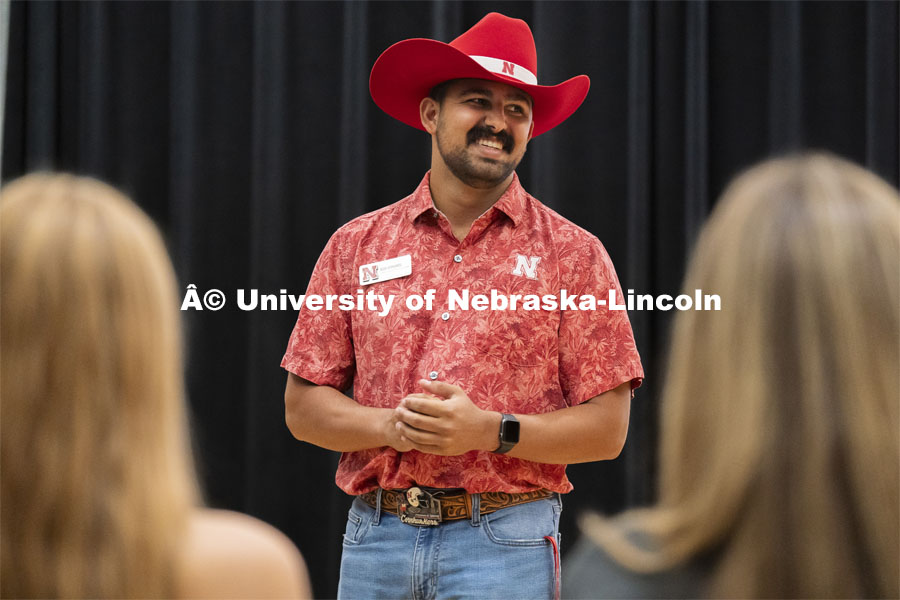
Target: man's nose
(494, 119)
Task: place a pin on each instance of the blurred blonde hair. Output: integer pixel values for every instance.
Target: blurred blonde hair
(97, 479)
(779, 452)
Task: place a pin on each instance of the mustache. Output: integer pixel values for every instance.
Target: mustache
(480, 132)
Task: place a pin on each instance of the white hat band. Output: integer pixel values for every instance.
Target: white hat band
(504, 67)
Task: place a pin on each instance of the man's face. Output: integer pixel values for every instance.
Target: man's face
(483, 128)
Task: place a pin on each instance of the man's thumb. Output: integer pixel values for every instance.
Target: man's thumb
(439, 388)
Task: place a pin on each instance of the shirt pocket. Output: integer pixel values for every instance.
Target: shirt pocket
(526, 336)
(522, 339)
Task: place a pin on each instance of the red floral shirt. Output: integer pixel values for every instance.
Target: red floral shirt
(513, 361)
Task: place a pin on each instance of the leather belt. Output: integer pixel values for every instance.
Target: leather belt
(454, 504)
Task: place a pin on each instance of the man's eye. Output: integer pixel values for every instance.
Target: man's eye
(517, 109)
(478, 101)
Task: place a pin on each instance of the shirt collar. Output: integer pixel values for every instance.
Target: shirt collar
(511, 203)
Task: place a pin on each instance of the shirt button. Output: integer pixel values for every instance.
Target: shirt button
(445, 316)
(433, 375)
(457, 258)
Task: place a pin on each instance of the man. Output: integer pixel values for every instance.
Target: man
(462, 420)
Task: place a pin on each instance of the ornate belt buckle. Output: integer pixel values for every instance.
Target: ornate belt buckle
(419, 508)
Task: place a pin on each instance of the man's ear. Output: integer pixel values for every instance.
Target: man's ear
(429, 109)
(531, 130)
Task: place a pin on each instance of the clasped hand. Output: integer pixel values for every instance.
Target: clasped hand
(442, 420)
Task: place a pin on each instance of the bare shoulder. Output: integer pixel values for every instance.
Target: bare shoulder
(231, 555)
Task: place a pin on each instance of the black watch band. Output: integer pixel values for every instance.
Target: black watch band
(509, 434)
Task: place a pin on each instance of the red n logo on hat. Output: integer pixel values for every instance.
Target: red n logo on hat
(508, 67)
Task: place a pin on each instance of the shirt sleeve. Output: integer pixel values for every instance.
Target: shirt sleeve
(596, 347)
(320, 348)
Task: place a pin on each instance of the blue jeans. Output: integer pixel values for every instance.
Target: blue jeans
(499, 555)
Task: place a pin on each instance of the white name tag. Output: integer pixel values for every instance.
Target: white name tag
(385, 270)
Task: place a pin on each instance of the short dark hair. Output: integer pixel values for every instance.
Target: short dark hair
(439, 92)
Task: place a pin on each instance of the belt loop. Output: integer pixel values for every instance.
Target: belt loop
(377, 520)
(476, 509)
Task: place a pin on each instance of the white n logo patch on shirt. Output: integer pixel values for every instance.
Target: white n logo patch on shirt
(527, 266)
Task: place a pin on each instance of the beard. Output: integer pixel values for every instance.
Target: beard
(478, 172)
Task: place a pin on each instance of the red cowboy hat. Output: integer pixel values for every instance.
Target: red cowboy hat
(496, 48)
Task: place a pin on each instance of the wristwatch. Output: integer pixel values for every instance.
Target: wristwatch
(509, 434)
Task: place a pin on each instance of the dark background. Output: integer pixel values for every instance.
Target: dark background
(247, 131)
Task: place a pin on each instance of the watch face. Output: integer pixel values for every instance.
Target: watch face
(511, 431)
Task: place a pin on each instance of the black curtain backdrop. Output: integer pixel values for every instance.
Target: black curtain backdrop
(247, 131)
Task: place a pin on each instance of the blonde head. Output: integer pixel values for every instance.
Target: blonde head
(97, 479)
(779, 451)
